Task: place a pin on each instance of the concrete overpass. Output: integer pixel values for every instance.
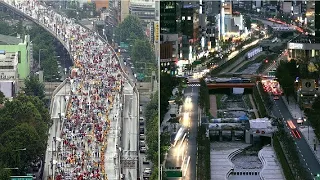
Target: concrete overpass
(49, 87)
(230, 85)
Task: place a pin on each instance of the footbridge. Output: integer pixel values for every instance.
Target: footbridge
(230, 85)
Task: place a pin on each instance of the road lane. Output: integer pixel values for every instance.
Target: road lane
(311, 163)
(193, 92)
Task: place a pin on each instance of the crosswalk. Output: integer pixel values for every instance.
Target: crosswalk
(194, 85)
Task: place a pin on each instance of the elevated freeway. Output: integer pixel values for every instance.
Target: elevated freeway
(63, 29)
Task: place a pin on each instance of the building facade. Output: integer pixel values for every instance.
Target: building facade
(22, 47)
(304, 48)
(9, 77)
(144, 10)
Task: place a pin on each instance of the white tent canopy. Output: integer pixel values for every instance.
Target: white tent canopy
(260, 123)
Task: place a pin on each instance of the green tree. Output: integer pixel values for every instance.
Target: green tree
(22, 136)
(33, 87)
(24, 124)
(39, 105)
(4, 173)
(20, 29)
(2, 97)
(130, 28)
(142, 52)
(5, 28)
(167, 84)
(286, 74)
(313, 116)
(247, 20)
(48, 59)
(152, 134)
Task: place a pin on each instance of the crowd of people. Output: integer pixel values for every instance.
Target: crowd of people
(95, 82)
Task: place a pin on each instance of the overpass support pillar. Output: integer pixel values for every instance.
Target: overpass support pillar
(247, 137)
(233, 137)
(220, 135)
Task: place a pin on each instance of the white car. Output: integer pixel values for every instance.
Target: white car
(143, 149)
(300, 121)
(147, 170)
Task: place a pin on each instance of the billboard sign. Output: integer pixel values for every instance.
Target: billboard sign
(156, 31)
(295, 46)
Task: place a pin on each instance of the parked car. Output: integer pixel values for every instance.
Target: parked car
(141, 130)
(143, 149)
(142, 137)
(141, 121)
(142, 143)
(147, 172)
(145, 161)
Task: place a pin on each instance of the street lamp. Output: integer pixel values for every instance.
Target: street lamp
(39, 57)
(18, 158)
(305, 120)
(12, 168)
(23, 149)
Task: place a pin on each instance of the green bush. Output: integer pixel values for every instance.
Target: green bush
(258, 100)
(265, 97)
(282, 158)
(203, 160)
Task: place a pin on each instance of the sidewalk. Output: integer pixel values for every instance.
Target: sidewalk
(293, 107)
(173, 109)
(166, 125)
(306, 131)
(272, 169)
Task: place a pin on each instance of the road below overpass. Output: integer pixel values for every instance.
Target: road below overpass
(130, 135)
(58, 109)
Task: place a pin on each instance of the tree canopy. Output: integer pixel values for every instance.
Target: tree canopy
(152, 133)
(48, 59)
(314, 116)
(130, 28)
(33, 87)
(286, 74)
(2, 97)
(247, 20)
(142, 52)
(24, 124)
(167, 84)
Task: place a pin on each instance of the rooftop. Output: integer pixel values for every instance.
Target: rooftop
(307, 39)
(9, 40)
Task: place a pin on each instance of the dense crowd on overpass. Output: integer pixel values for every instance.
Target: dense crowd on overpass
(95, 86)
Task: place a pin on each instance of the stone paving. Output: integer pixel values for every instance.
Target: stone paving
(272, 169)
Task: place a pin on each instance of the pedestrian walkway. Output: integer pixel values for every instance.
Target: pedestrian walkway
(221, 154)
(173, 109)
(256, 114)
(272, 169)
(194, 85)
(306, 131)
(213, 106)
(293, 107)
(166, 125)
